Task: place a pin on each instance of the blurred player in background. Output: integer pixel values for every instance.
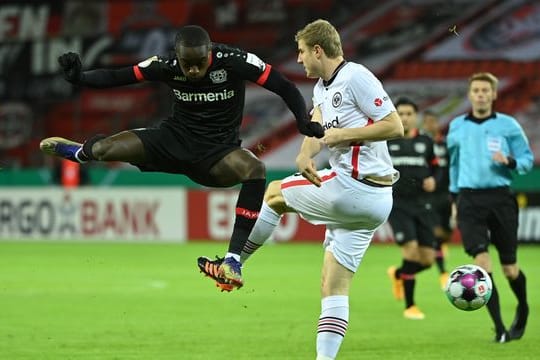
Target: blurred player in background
(485, 148)
(411, 218)
(352, 198)
(442, 205)
(201, 137)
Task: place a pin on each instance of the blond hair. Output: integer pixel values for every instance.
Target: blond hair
(321, 32)
(485, 76)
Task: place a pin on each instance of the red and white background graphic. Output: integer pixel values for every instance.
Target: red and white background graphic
(164, 215)
(211, 216)
(116, 214)
(135, 214)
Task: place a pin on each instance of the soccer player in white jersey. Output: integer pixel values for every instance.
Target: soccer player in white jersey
(352, 198)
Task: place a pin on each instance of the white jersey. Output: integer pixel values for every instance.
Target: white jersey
(355, 98)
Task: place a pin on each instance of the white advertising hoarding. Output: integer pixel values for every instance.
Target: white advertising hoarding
(138, 213)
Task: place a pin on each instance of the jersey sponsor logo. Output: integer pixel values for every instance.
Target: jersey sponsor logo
(420, 147)
(218, 76)
(408, 161)
(179, 78)
(378, 101)
(255, 61)
(337, 99)
(148, 61)
(494, 143)
(204, 97)
(331, 124)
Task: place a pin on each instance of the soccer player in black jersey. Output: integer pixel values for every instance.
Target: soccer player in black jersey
(411, 218)
(201, 137)
(442, 205)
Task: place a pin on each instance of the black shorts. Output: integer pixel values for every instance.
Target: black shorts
(442, 210)
(489, 216)
(412, 220)
(171, 152)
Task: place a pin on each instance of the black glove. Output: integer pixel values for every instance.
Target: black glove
(310, 128)
(71, 66)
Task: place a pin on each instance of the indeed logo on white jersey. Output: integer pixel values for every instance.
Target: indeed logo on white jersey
(331, 124)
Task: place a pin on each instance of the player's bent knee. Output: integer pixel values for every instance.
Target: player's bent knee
(101, 148)
(274, 198)
(256, 170)
(273, 190)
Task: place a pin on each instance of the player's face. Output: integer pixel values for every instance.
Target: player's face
(481, 96)
(194, 61)
(306, 57)
(408, 117)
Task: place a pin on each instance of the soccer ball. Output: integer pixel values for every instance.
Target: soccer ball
(469, 287)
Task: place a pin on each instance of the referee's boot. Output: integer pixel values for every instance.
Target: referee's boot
(520, 321)
(502, 336)
(211, 269)
(63, 148)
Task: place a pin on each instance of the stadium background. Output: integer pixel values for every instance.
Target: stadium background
(422, 49)
(110, 271)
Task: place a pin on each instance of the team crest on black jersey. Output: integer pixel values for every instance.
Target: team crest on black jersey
(420, 147)
(336, 99)
(218, 76)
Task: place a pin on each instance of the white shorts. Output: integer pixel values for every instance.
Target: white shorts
(351, 211)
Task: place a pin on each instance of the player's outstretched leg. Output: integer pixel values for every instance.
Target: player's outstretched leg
(212, 269)
(63, 148)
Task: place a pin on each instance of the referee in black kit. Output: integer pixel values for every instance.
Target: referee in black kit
(485, 148)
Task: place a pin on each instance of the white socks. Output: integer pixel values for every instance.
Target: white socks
(332, 325)
(266, 223)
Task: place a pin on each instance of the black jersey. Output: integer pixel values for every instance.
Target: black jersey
(441, 152)
(211, 108)
(415, 159)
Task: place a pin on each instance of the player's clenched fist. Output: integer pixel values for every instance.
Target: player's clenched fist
(333, 137)
(71, 66)
(311, 128)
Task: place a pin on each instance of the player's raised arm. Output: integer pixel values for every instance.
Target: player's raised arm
(310, 147)
(279, 84)
(100, 78)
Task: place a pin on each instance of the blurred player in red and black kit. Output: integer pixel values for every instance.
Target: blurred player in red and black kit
(442, 204)
(201, 137)
(411, 217)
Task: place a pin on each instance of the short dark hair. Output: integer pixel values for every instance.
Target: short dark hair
(192, 36)
(406, 101)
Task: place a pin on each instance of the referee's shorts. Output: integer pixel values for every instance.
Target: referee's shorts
(489, 216)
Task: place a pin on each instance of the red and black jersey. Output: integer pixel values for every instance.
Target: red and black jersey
(213, 106)
(415, 159)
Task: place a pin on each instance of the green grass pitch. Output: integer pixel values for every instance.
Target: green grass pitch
(69, 300)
